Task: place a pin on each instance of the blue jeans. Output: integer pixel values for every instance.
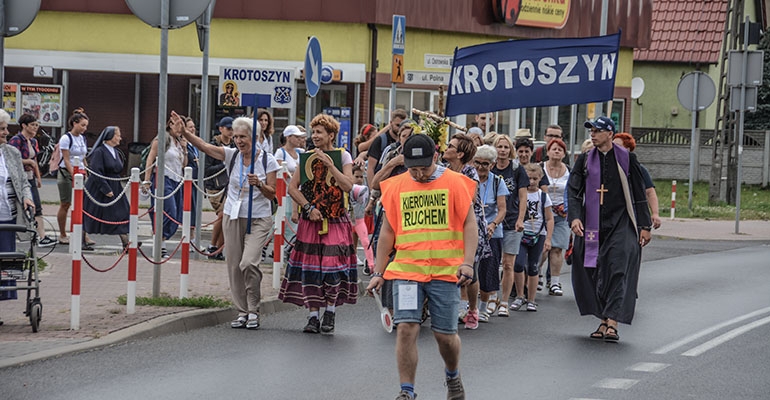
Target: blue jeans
(443, 303)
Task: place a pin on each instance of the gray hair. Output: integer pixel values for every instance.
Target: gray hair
(4, 117)
(243, 123)
(486, 152)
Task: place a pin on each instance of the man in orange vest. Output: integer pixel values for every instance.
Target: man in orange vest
(430, 224)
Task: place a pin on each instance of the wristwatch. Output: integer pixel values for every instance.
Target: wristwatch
(645, 228)
(307, 207)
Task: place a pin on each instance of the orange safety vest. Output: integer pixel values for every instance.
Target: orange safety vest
(428, 220)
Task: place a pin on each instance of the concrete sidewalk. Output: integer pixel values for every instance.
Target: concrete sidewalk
(103, 321)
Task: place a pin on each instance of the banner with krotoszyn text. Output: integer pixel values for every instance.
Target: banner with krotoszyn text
(532, 73)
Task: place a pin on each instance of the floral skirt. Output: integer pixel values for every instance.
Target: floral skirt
(322, 269)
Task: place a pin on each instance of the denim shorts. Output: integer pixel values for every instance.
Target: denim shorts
(511, 242)
(443, 303)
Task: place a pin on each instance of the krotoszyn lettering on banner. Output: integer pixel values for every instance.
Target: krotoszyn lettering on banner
(277, 83)
(532, 73)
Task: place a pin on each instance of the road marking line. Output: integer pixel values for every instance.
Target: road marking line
(615, 383)
(648, 367)
(581, 398)
(698, 335)
(696, 351)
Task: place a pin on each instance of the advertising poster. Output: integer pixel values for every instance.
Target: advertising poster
(10, 93)
(238, 84)
(42, 101)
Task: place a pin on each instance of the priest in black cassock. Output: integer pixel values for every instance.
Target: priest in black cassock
(105, 161)
(609, 216)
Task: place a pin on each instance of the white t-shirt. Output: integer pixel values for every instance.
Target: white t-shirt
(238, 187)
(77, 148)
(266, 145)
(291, 164)
(556, 187)
(535, 215)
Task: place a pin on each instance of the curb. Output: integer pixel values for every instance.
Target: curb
(180, 322)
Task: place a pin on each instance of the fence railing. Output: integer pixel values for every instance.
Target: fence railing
(678, 137)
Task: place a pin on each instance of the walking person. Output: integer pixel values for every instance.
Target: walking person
(414, 204)
(25, 142)
(322, 271)
(216, 187)
(557, 173)
(72, 144)
(106, 162)
(493, 195)
(15, 191)
(267, 128)
(243, 250)
(174, 161)
(458, 156)
(609, 216)
(515, 210)
(538, 229)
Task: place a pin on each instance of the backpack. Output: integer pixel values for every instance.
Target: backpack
(145, 153)
(53, 163)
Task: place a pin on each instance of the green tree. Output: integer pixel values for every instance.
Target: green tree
(760, 120)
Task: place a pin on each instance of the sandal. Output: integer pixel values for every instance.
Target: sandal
(63, 240)
(492, 306)
(599, 333)
(611, 335)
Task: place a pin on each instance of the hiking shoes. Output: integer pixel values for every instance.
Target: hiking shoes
(327, 323)
(313, 325)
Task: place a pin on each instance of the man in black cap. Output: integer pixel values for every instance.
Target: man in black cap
(609, 216)
(430, 211)
(218, 184)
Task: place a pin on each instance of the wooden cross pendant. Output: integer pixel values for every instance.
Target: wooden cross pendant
(601, 192)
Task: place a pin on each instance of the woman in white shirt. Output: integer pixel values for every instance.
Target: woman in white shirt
(557, 174)
(174, 161)
(72, 144)
(243, 251)
(290, 151)
(267, 127)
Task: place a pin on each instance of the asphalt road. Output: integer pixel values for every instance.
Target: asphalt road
(687, 290)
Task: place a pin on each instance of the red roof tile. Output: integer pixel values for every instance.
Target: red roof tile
(685, 31)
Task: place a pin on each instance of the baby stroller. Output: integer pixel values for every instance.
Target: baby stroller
(22, 267)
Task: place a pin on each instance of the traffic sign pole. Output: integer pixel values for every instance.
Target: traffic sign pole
(742, 112)
(693, 161)
(313, 68)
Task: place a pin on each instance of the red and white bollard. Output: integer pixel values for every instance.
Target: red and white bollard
(76, 250)
(280, 225)
(133, 225)
(673, 199)
(187, 206)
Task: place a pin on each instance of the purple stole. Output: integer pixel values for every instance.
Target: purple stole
(592, 198)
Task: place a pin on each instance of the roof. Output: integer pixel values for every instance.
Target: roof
(685, 31)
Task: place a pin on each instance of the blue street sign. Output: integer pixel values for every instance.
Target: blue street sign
(327, 74)
(399, 34)
(313, 63)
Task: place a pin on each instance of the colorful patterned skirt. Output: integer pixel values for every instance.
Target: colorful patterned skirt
(322, 268)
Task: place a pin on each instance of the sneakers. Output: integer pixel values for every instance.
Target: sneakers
(367, 271)
(219, 257)
(540, 284)
(455, 389)
(239, 323)
(483, 317)
(163, 253)
(462, 313)
(531, 306)
(472, 319)
(502, 311)
(252, 322)
(327, 324)
(518, 303)
(404, 395)
(313, 325)
(556, 290)
(46, 242)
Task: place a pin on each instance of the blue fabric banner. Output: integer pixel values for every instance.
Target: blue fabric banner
(532, 73)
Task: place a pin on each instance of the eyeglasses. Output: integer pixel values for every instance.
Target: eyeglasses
(451, 146)
(482, 164)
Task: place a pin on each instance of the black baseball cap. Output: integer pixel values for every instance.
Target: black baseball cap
(418, 151)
